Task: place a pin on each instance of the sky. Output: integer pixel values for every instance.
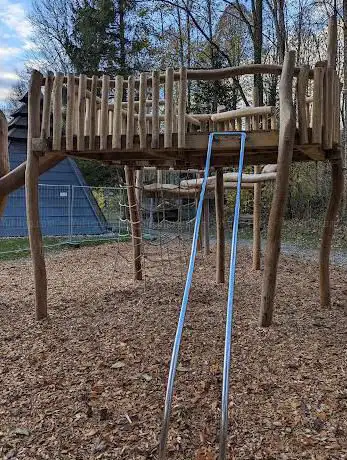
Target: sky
(15, 32)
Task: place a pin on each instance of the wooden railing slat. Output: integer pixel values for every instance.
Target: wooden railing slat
(155, 109)
(318, 105)
(104, 112)
(142, 110)
(70, 103)
(117, 113)
(57, 111)
(301, 104)
(182, 106)
(168, 107)
(92, 113)
(130, 113)
(81, 111)
(46, 111)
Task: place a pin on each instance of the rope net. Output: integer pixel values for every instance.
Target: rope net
(166, 220)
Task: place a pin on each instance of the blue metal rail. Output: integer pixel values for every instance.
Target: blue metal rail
(228, 333)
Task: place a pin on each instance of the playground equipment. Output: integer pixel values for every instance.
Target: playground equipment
(106, 119)
(228, 328)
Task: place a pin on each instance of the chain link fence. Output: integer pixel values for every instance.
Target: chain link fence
(69, 214)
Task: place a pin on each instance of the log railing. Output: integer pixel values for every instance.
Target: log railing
(101, 113)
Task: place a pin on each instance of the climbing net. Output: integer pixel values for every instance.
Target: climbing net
(167, 224)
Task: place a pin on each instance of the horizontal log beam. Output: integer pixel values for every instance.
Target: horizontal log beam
(244, 112)
(231, 177)
(215, 74)
(16, 178)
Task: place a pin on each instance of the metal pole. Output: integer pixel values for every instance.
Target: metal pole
(177, 341)
(229, 318)
(71, 199)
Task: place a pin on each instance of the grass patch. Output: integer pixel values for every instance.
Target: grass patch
(16, 248)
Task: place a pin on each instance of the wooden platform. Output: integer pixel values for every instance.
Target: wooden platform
(261, 148)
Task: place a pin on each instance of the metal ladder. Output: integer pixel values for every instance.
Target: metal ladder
(229, 317)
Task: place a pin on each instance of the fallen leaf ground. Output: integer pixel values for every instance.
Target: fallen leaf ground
(89, 383)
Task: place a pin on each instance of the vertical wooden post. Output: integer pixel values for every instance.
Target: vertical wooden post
(105, 82)
(219, 201)
(46, 109)
(155, 109)
(317, 104)
(301, 103)
(81, 111)
(256, 222)
(328, 86)
(285, 153)
(169, 79)
(206, 226)
(4, 159)
(92, 113)
(182, 102)
(142, 111)
(139, 188)
(135, 221)
(328, 231)
(57, 111)
(130, 113)
(117, 113)
(32, 197)
(70, 111)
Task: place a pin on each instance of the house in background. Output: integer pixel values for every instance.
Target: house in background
(67, 206)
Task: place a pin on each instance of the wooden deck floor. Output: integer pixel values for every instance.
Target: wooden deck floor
(261, 148)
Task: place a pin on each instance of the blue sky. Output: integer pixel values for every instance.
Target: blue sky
(15, 41)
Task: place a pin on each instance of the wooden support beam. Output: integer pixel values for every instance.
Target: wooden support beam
(256, 222)
(32, 198)
(4, 158)
(328, 231)
(219, 200)
(329, 86)
(135, 220)
(244, 112)
(139, 188)
(206, 226)
(285, 153)
(231, 177)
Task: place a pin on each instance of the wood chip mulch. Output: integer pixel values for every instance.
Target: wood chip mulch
(89, 383)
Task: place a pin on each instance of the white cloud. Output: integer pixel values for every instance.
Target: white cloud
(6, 51)
(13, 15)
(9, 76)
(4, 93)
(29, 45)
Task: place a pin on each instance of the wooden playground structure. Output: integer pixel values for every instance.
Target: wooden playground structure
(142, 122)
